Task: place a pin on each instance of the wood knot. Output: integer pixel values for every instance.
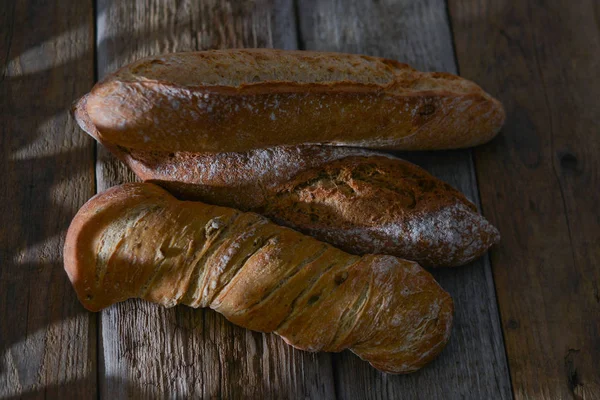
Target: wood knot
(568, 161)
(512, 324)
(573, 379)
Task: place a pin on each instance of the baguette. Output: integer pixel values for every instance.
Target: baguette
(358, 200)
(239, 100)
(137, 241)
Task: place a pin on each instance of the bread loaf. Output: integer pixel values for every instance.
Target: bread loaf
(239, 100)
(136, 240)
(384, 206)
(358, 200)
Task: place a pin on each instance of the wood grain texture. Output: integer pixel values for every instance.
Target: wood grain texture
(151, 352)
(473, 365)
(47, 340)
(539, 183)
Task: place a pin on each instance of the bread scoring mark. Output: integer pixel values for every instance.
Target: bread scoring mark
(241, 67)
(307, 291)
(245, 68)
(227, 258)
(210, 238)
(281, 284)
(259, 248)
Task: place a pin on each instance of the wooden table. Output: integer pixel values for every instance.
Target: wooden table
(527, 316)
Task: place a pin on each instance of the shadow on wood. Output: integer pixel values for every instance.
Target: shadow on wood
(46, 51)
(66, 390)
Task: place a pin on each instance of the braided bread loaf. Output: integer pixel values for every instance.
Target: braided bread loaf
(136, 240)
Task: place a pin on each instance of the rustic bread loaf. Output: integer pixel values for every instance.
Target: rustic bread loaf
(385, 206)
(239, 100)
(136, 240)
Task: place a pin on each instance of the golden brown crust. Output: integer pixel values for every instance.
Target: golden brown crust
(238, 100)
(136, 240)
(80, 259)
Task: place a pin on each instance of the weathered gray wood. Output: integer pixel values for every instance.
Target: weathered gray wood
(540, 184)
(148, 351)
(47, 339)
(473, 365)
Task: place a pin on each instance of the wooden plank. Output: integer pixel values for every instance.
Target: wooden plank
(47, 340)
(148, 351)
(539, 183)
(473, 365)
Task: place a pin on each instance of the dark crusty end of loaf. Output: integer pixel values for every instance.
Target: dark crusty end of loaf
(136, 240)
(238, 100)
(385, 206)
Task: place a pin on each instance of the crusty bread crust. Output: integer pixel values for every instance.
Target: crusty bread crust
(137, 241)
(383, 205)
(239, 100)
